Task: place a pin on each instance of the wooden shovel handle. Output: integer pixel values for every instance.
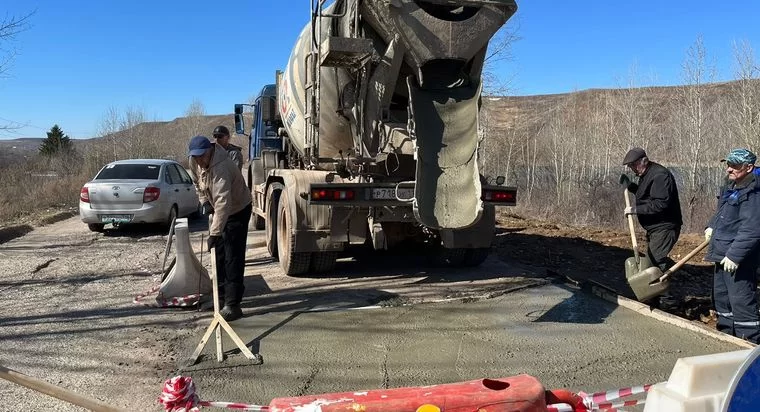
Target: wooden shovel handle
(632, 228)
(684, 260)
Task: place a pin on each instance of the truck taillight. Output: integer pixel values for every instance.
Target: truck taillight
(84, 195)
(500, 196)
(151, 194)
(332, 194)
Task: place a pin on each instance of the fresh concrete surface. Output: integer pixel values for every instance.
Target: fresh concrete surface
(563, 337)
(68, 318)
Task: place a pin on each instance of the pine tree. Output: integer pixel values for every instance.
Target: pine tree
(56, 142)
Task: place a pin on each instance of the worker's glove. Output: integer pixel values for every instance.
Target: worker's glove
(729, 265)
(708, 234)
(207, 208)
(213, 241)
(630, 210)
(625, 180)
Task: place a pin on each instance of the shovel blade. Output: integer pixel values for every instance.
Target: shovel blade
(642, 286)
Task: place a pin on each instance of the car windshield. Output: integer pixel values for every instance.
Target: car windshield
(129, 172)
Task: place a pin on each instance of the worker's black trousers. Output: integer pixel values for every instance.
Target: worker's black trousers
(736, 303)
(230, 257)
(659, 243)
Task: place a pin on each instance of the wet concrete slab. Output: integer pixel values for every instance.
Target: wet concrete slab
(562, 336)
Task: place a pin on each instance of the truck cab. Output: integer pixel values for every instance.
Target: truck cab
(264, 143)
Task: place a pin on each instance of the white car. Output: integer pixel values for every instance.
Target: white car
(137, 191)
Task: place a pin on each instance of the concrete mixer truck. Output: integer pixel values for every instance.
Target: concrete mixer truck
(370, 134)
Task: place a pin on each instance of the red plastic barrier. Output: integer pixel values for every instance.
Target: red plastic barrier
(515, 394)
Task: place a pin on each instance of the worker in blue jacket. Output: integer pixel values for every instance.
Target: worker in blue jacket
(734, 235)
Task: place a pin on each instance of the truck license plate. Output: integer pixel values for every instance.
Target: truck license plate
(390, 193)
(115, 218)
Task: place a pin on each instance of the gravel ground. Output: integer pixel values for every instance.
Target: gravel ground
(68, 318)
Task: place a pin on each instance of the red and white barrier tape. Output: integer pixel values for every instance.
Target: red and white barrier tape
(601, 397)
(161, 302)
(601, 401)
(560, 407)
(179, 395)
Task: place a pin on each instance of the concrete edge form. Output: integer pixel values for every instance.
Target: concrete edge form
(674, 320)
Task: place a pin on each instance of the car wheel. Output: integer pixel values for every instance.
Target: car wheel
(96, 227)
(172, 216)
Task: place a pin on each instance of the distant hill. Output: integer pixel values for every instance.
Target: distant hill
(18, 150)
(169, 138)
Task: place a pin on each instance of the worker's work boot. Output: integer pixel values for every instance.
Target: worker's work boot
(231, 312)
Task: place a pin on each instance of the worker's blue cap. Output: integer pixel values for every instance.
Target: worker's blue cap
(198, 146)
(740, 156)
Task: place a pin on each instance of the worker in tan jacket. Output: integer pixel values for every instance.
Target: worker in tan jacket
(223, 193)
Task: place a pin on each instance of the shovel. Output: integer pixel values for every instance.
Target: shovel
(637, 264)
(652, 282)
(659, 277)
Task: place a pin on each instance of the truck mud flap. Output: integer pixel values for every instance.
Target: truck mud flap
(445, 126)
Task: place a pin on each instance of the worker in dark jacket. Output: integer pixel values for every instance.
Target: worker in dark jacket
(734, 235)
(657, 205)
(222, 136)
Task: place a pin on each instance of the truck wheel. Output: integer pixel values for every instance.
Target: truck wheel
(474, 257)
(272, 201)
(322, 262)
(448, 257)
(291, 262)
(258, 222)
(96, 227)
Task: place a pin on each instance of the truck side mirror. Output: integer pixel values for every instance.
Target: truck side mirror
(239, 121)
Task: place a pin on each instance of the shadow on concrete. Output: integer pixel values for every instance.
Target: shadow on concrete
(572, 257)
(577, 309)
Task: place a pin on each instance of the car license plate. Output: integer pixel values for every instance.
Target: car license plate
(404, 193)
(115, 218)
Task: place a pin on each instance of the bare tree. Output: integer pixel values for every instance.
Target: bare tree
(194, 116)
(135, 138)
(109, 127)
(744, 112)
(632, 113)
(10, 27)
(499, 50)
(691, 118)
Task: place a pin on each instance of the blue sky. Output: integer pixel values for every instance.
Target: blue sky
(81, 57)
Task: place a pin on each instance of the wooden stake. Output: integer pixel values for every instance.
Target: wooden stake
(55, 391)
(218, 323)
